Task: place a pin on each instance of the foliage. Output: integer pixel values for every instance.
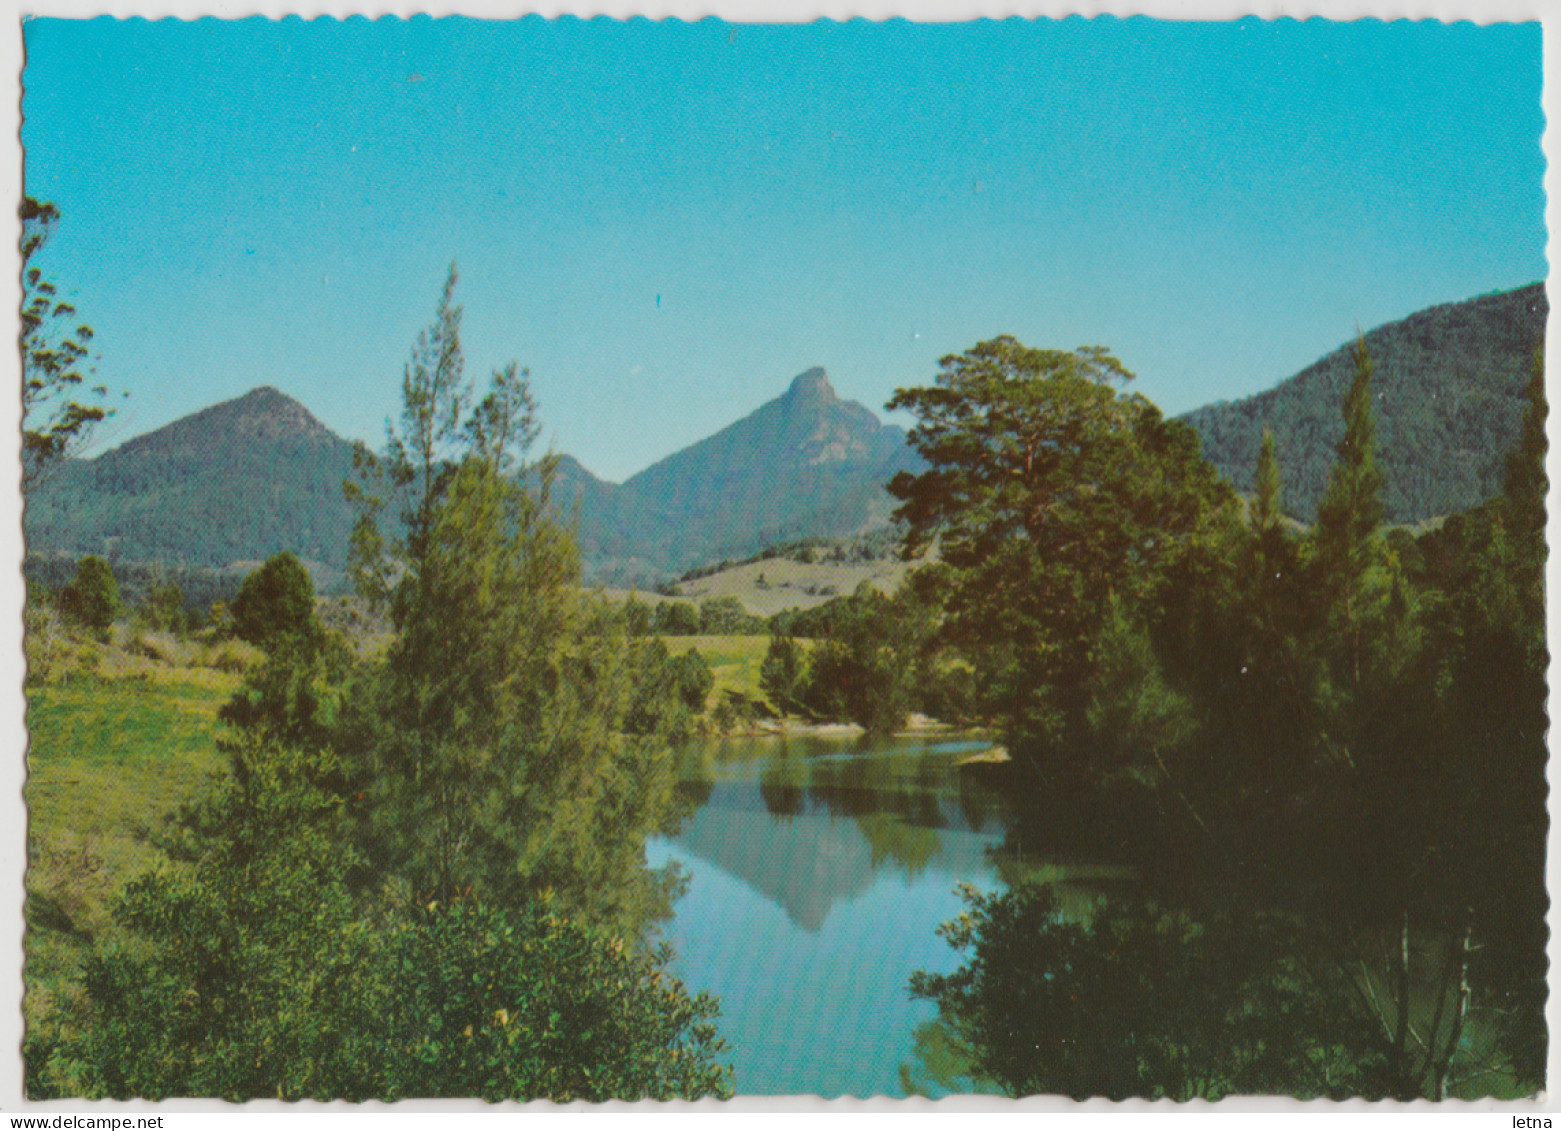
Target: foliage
(259, 974)
(491, 746)
(296, 694)
(1134, 999)
(865, 670)
(725, 616)
(92, 598)
(1348, 549)
(1449, 393)
(57, 420)
(276, 603)
(1050, 497)
(164, 608)
(783, 675)
(636, 617)
(669, 693)
(675, 618)
(204, 492)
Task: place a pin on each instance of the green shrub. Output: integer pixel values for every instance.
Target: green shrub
(275, 603)
(258, 974)
(92, 599)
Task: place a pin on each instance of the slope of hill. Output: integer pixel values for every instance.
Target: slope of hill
(1449, 384)
(244, 479)
(806, 464)
(241, 480)
(232, 483)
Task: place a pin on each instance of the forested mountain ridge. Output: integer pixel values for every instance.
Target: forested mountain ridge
(1449, 384)
(241, 480)
(806, 464)
(249, 477)
(235, 482)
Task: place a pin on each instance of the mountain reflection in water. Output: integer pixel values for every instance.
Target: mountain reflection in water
(819, 871)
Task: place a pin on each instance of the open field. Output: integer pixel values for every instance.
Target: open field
(776, 584)
(768, 587)
(733, 660)
(108, 760)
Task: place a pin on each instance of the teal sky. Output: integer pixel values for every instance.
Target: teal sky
(667, 221)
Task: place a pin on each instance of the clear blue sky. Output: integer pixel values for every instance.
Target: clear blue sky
(667, 221)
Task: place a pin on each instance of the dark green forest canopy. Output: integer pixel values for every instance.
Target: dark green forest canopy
(1449, 384)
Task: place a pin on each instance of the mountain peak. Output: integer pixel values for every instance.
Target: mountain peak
(264, 395)
(268, 411)
(812, 383)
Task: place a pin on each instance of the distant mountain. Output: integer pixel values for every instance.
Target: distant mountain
(806, 464)
(244, 479)
(1449, 384)
(232, 483)
(239, 481)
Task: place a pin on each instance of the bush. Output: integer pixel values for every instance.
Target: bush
(229, 656)
(257, 974)
(92, 599)
(275, 603)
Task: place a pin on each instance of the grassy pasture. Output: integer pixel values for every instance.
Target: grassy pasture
(767, 587)
(117, 741)
(733, 660)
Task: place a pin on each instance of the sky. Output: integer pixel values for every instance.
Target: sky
(665, 222)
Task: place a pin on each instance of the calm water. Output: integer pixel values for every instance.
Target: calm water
(819, 871)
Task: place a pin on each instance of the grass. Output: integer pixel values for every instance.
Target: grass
(767, 587)
(733, 660)
(110, 755)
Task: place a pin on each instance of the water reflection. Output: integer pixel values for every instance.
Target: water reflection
(819, 871)
(836, 817)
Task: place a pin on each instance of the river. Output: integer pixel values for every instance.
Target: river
(819, 870)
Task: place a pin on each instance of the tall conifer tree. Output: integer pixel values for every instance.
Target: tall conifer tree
(1350, 514)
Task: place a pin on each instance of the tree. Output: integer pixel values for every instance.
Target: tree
(725, 616)
(1348, 548)
(1248, 655)
(1050, 496)
(491, 746)
(865, 669)
(422, 455)
(164, 607)
(675, 618)
(783, 674)
(57, 420)
(636, 617)
(276, 603)
(1265, 504)
(92, 598)
(1524, 492)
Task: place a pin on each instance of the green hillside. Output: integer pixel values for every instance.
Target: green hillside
(1449, 398)
(230, 484)
(804, 465)
(235, 483)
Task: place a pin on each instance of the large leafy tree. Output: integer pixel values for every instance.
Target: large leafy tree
(1051, 496)
(60, 407)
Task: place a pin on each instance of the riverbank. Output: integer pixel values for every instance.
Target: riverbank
(915, 725)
